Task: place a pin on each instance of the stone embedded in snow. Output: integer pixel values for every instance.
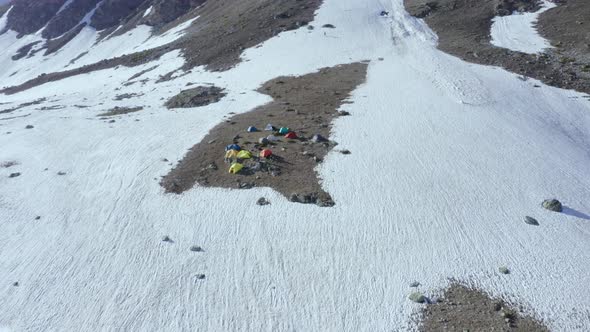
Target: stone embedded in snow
(29, 127)
(504, 270)
(531, 221)
(553, 205)
(61, 173)
(262, 201)
(196, 249)
(200, 276)
(13, 175)
(343, 113)
(345, 152)
(166, 238)
(37, 217)
(417, 297)
(415, 284)
(15, 284)
(329, 26)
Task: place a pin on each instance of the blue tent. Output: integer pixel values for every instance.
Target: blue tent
(233, 147)
(252, 129)
(269, 127)
(284, 130)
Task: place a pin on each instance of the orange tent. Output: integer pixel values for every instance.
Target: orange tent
(266, 153)
(291, 135)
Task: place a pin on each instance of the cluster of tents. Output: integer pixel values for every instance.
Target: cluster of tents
(235, 155)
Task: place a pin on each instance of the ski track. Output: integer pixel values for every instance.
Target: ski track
(448, 158)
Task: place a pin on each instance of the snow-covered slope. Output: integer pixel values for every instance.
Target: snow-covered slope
(448, 158)
(518, 33)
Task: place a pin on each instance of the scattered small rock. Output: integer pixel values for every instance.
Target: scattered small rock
(504, 270)
(417, 297)
(262, 201)
(531, 221)
(196, 249)
(29, 127)
(552, 205)
(13, 175)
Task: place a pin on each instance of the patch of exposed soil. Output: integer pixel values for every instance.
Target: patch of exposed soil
(463, 28)
(196, 97)
(568, 28)
(27, 104)
(120, 111)
(306, 104)
(466, 309)
(226, 27)
(24, 51)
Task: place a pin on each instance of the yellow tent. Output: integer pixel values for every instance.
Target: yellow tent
(235, 168)
(231, 154)
(244, 154)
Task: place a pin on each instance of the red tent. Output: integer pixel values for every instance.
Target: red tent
(266, 153)
(291, 135)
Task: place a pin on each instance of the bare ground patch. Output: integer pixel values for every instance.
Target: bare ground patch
(307, 105)
(462, 308)
(120, 111)
(463, 28)
(195, 97)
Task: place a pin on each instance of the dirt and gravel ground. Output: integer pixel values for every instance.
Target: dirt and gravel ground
(462, 308)
(307, 105)
(463, 28)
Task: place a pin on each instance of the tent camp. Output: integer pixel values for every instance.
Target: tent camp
(291, 135)
(233, 147)
(269, 127)
(252, 129)
(244, 154)
(230, 154)
(263, 140)
(284, 130)
(317, 138)
(266, 153)
(235, 168)
(272, 138)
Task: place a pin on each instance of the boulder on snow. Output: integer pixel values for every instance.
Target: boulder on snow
(531, 221)
(504, 270)
(29, 127)
(553, 205)
(417, 297)
(196, 249)
(262, 201)
(14, 175)
(166, 238)
(200, 276)
(415, 284)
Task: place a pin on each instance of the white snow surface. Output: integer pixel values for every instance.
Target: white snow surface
(448, 158)
(518, 32)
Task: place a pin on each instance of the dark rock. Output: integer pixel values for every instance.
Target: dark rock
(504, 270)
(166, 238)
(417, 297)
(15, 284)
(531, 221)
(262, 201)
(37, 217)
(343, 113)
(553, 205)
(61, 173)
(345, 152)
(196, 249)
(196, 97)
(29, 127)
(200, 276)
(329, 26)
(13, 175)
(415, 284)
